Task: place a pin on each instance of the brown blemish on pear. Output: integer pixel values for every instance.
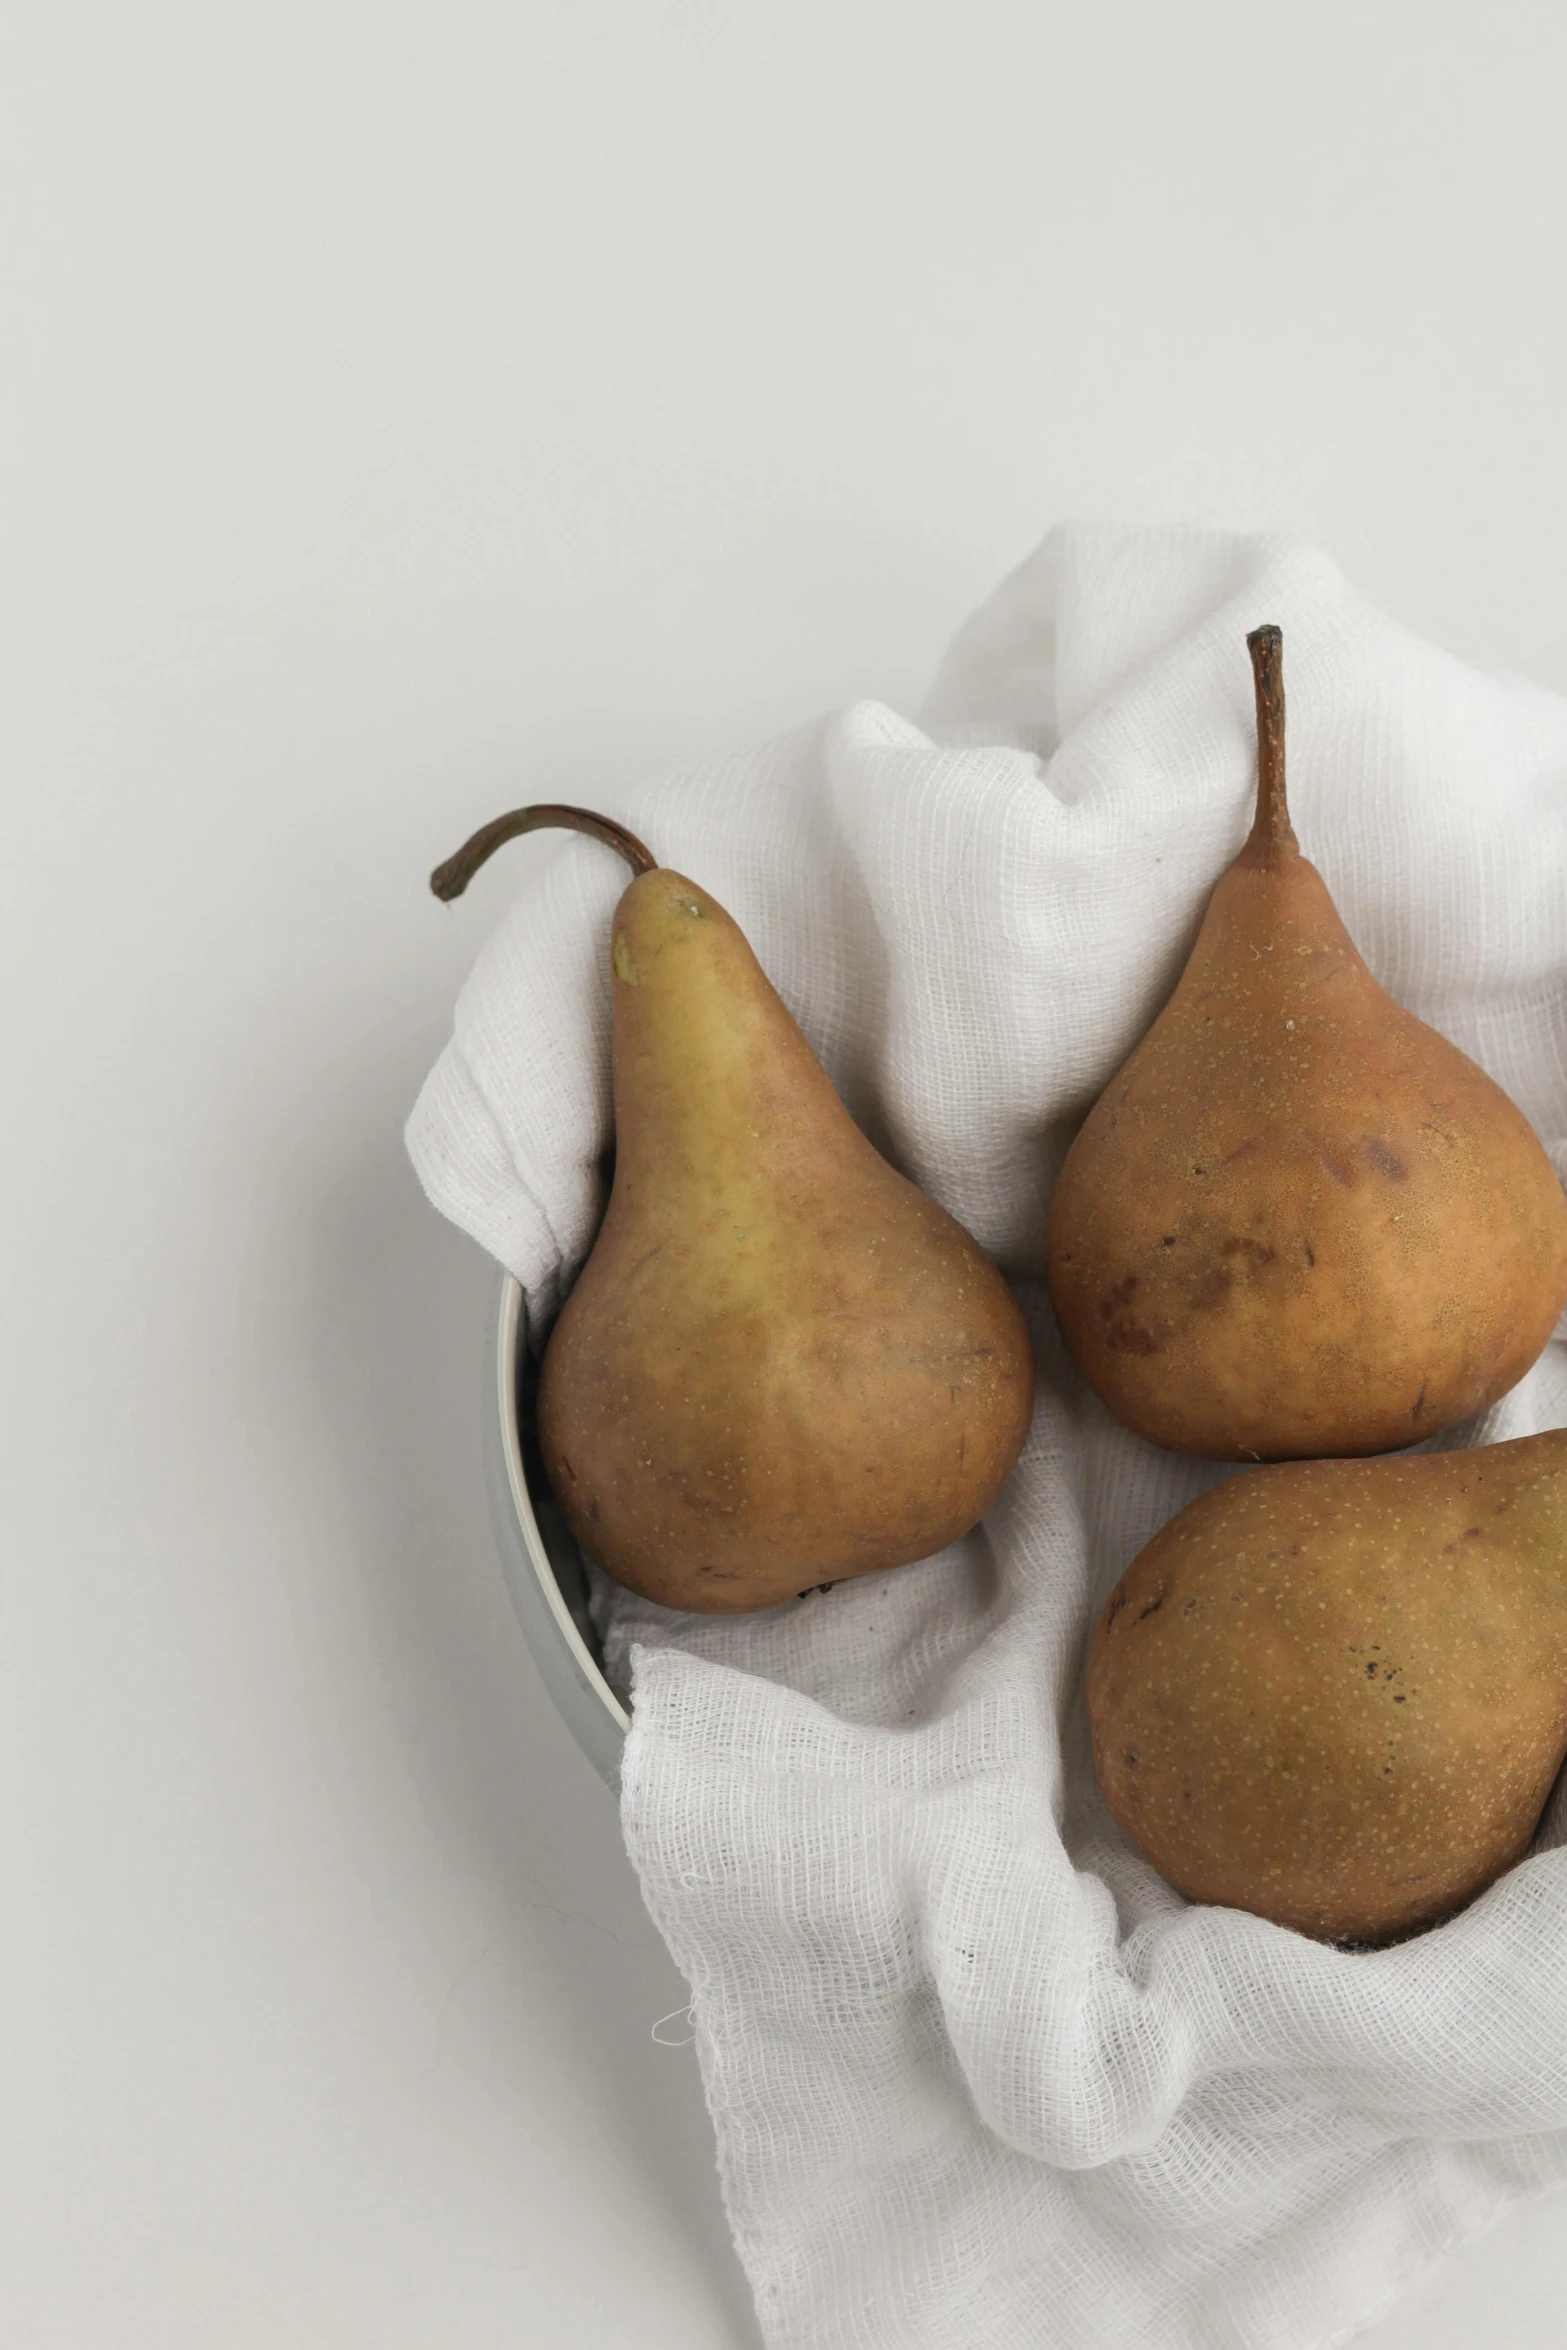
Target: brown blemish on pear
(1335, 1692)
(782, 1365)
(1298, 1221)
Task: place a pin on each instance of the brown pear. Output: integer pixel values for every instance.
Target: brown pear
(1299, 1221)
(1335, 1692)
(782, 1364)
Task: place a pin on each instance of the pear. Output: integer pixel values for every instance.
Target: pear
(1299, 1221)
(1335, 1692)
(781, 1365)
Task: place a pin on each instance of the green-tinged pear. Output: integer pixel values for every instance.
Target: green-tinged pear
(782, 1364)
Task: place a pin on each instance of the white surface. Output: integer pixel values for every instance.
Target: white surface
(369, 371)
(974, 2071)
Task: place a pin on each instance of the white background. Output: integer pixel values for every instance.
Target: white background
(413, 408)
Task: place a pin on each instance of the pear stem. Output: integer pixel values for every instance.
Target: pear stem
(1272, 835)
(450, 880)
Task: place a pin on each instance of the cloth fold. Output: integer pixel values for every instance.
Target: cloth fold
(978, 2077)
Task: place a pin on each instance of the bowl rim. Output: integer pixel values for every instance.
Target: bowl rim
(570, 1671)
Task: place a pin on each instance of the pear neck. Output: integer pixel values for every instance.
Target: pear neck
(1272, 837)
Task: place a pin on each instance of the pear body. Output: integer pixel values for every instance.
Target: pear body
(782, 1364)
(1335, 1692)
(1298, 1221)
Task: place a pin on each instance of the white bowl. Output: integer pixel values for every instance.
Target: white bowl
(544, 1569)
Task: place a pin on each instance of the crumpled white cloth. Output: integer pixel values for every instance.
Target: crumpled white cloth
(980, 2081)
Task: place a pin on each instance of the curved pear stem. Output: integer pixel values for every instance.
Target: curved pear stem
(450, 880)
(1272, 835)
